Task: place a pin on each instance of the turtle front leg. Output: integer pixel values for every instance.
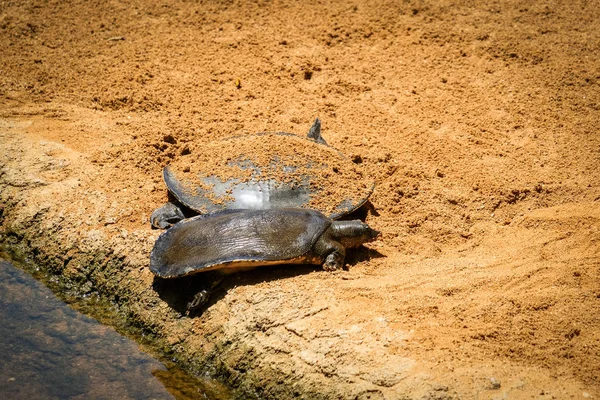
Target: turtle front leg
(335, 260)
(331, 251)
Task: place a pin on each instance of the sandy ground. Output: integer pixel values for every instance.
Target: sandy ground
(477, 120)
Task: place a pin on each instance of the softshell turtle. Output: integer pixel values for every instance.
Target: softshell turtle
(263, 171)
(234, 240)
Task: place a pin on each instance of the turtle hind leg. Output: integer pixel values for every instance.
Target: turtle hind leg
(202, 296)
(198, 301)
(315, 132)
(166, 216)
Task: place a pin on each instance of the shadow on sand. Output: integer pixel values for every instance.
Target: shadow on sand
(179, 292)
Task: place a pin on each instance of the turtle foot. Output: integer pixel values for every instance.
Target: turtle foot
(166, 216)
(315, 132)
(333, 262)
(198, 301)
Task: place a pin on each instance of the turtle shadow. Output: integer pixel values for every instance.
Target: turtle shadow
(356, 256)
(178, 292)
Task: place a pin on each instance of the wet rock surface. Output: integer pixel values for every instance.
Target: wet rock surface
(50, 351)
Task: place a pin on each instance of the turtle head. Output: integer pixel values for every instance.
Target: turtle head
(353, 233)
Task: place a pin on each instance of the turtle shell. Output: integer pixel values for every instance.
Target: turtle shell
(266, 171)
(237, 239)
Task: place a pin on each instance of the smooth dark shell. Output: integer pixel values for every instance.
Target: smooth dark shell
(263, 192)
(236, 238)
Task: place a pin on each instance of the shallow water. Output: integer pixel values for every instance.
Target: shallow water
(50, 351)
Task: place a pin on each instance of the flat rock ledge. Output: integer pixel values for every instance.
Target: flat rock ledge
(263, 338)
(270, 334)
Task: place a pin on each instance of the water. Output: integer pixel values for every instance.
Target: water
(50, 351)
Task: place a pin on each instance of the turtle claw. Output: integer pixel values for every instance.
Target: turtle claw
(315, 132)
(198, 301)
(166, 216)
(201, 298)
(333, 262)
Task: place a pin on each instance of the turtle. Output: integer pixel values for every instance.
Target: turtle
(239, 239)
(263, 171)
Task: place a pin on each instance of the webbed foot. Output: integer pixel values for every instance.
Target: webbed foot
(198, 301)
(315, 132)
(166, 216)
(201, 298)
(334, 261)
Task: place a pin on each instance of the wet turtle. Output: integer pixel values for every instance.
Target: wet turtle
(263, 171)
(234, 240)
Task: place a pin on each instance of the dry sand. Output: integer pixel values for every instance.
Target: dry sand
(477, 120)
